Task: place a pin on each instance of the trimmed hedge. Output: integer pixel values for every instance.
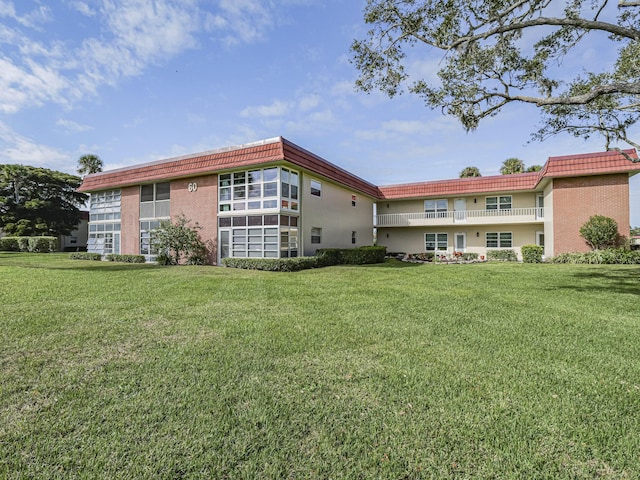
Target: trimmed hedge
(352, 256)
(532, 253)
(273, 264)
(85, 256)
(609, 256)
(506, 255)
(29, 244)
(9, 244)
(324, 257)
(113, 257)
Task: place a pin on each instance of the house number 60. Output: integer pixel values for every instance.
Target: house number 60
(193, 186)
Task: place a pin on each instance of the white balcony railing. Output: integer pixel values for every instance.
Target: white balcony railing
(469, 217)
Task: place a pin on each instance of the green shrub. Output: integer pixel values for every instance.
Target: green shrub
(178, 243)
(273, 264)
(423, 256)
(42, 244)
(85, 256)
(9, 244)
(506, 255)
(600, 232)
(532, 253)
(351, 256)
(112, 257)
(470, 256)
(609, 256)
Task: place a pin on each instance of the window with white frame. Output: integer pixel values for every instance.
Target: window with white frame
(258, 236)
(353, 200)
(316, 235)
(354, 237)
(498, 203)
(104, 222)
(436, 208)
(259, 189)
(155, 200)
(499, 239)
(436, 241)
(147, 236)
(316, 188)
(104, 206)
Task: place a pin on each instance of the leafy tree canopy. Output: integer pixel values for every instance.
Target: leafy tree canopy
(496, 52)
(469, 172)
(89, 163)
(38, 201)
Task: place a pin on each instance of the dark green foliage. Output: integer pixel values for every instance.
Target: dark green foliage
(470, 172)
(112, 257)
(178, 243)
(85, 256)
(352, 256)
(506, 255)
(609, 256)
(23, 244)
(600, 232)
(532, 253)
(38, 201)
(325, 257)
(9, 244)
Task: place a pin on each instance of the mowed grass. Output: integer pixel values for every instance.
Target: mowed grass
(388, 371)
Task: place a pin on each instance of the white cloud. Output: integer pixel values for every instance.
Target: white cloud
(72, 126)
(277, 109)
(83, 8)
(19, 149)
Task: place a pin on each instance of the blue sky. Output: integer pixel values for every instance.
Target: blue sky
(139, 80)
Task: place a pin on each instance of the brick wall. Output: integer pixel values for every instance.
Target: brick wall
(577, 199)
(130, 227)
(199, 204)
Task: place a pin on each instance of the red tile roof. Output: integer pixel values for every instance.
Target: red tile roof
(266, 151)
(279, 149)
(461, 186)
(590, 164)
(565, 166)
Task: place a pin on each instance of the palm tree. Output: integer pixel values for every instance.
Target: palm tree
(534, 168)
(511, 166)
(468, 172)
(89, 163)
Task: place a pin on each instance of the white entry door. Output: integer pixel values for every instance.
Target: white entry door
(461, 242)
(460, 208)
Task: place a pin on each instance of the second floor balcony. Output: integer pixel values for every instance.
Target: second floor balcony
(467, 217)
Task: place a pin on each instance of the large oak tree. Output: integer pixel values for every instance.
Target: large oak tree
(497, 52)
(38, 201)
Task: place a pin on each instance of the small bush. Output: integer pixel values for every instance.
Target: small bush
(532, 253)
(85, 256)
(42, 244)
(600, 232)
(469, 256)
(506, 255)
(423, 256)
(351, 256)
(125, 258)
(9, 244)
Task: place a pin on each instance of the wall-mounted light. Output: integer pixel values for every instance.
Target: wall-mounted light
(477, 234)
(387, 235)
(387, 205)
(475, 200)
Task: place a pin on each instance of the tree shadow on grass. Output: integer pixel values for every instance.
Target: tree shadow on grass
(606, 277)
(392, 263)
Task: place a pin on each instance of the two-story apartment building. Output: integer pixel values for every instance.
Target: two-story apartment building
(274, 199)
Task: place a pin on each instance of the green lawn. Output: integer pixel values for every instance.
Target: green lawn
(387, 371)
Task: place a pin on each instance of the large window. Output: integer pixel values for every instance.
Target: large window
(499, 239)
(316, 188)
(436, 241)
(104, 222)
(268, 188)
(155, 200)
(258, 236)
(147, 237)
(316, 235)
(498, 203)
(436, 208)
